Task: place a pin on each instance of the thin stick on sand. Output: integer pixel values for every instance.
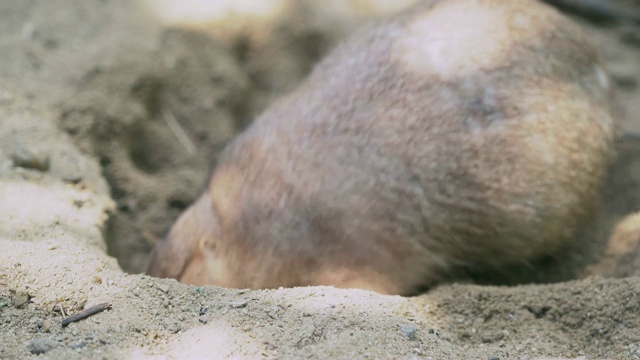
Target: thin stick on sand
(85, 313)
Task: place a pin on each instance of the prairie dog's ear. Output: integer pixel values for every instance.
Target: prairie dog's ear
(205, 267)
(195, 228)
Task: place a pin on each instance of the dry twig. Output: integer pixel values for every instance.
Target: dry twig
(85, 313)
(178, 131)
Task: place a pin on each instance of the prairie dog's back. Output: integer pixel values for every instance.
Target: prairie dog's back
(479, 106)
(461, 132)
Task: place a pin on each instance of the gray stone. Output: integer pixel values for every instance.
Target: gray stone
(42, 345)
(239, 304)
(410, 331)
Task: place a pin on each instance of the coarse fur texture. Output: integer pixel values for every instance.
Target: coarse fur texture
(458, 134)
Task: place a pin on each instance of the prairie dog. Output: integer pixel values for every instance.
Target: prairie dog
(459, 133)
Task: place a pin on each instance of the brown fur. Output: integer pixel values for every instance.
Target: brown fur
(461, 133)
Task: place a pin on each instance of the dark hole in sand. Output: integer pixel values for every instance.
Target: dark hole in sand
(122, 115)
(212, 91)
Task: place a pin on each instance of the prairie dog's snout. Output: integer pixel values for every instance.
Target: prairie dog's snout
(171, 258)
(470, 133)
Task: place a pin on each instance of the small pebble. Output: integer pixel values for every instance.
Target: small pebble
(72, 178)
(163, 287)
(78, 345)
(80, 305)
(410, 331)
(20, 299)
(273, 312)
(239, 304)
(495, 358)
(42, 345)
(30, 158)
(175, 328)
(46, 326)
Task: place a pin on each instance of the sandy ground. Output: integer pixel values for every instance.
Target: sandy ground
(92, 174)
